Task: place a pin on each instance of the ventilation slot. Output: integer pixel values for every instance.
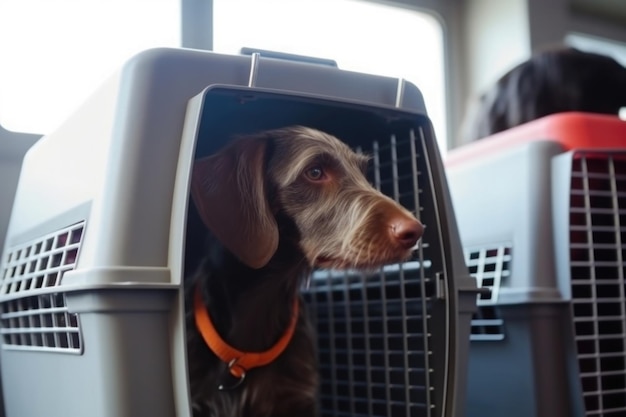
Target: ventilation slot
(489, 266)
(35, 317)
(373, 330)
(597, 239)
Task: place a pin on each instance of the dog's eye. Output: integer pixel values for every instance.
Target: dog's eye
(315, 173)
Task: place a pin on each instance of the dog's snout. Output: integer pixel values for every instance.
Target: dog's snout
(406, 231)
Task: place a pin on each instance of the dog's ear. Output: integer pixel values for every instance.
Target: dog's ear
(228, 189)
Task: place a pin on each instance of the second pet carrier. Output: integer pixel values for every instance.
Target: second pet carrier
(92, 273)
(542, 215)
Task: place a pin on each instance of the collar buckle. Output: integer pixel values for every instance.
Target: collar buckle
(234, 371)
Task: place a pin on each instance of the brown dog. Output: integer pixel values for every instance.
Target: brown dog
(277, 205)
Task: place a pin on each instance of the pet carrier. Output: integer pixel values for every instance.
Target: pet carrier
(92, 272)
(541, 213)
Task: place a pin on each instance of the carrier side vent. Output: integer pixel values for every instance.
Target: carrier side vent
(490, 267)
(597, 235)
(34, 315)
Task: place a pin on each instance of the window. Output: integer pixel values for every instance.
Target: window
(55, 53)
(359, 35)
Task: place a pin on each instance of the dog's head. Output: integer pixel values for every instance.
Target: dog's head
(319, 183)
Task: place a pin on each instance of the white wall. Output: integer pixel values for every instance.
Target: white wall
(497, 38)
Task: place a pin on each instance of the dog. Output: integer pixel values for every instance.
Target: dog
(277, 204)
(551, 81)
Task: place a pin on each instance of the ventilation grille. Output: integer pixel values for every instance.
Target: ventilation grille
(35, 317)
(373, 331)
(597, 252)
(490, 266)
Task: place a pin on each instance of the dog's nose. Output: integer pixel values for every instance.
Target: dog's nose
(406, 231)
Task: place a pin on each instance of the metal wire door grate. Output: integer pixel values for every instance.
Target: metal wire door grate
(597, 251)
(373, 330)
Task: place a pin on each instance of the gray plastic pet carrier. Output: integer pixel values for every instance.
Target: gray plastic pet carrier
(92, 304)
(542, 215)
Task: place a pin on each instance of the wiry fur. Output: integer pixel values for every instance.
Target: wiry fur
(339, 222)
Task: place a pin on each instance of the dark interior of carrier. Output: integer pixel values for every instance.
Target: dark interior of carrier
(382, 336)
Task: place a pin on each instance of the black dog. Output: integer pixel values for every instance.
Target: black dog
(551, 81)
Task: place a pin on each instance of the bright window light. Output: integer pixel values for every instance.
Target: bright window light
(56, 52)
(359, 35)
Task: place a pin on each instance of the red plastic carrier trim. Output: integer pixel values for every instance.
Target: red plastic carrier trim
(573, 130)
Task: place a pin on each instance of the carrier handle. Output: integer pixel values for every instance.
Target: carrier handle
(400, 92)
(254, 68)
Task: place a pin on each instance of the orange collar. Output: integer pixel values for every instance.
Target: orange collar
(238, 362)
